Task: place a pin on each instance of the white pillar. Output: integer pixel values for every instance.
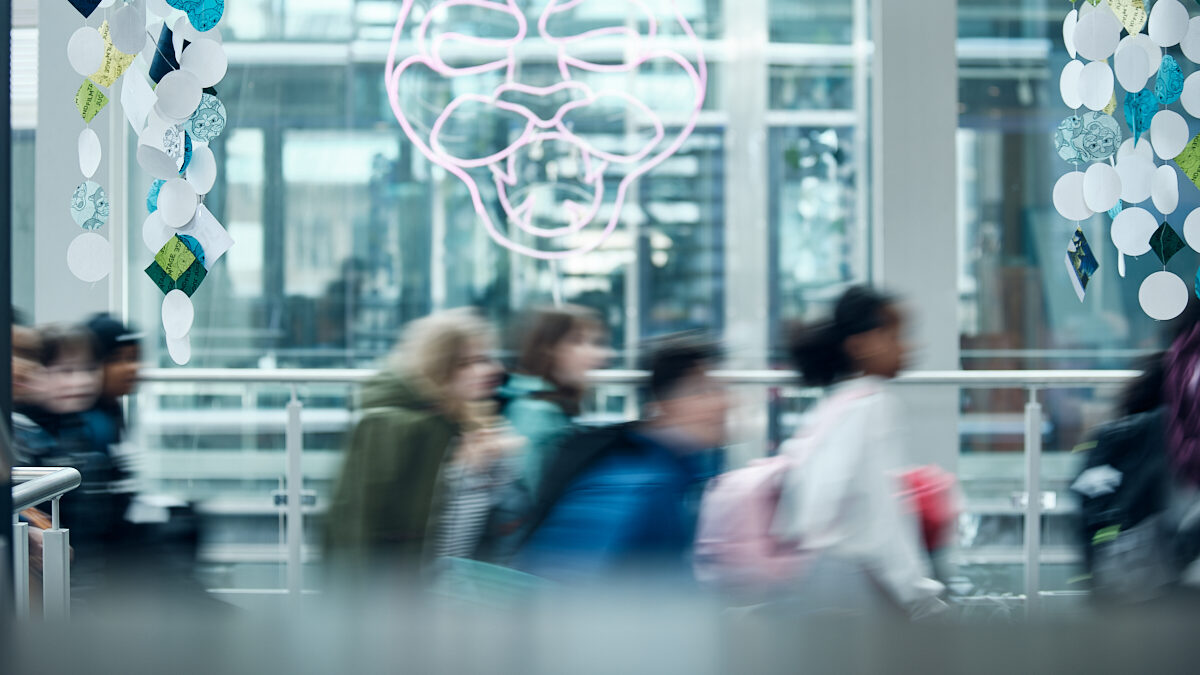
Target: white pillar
(747, 283)
(58, 295)
(914, 122)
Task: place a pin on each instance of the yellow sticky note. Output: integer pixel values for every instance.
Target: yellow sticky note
(114, 63)
(1188, 161)
(89, 100)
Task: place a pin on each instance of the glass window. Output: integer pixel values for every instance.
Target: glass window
(345, 231)
(808, 21)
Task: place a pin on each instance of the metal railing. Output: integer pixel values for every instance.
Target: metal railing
(1032, 381)
(33, 486)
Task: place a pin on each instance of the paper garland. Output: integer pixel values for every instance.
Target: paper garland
(174, 120)
(1117, 54)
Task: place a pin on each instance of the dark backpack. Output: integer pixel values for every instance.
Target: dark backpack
(1136, 538)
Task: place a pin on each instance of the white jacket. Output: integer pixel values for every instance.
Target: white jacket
(841, 499)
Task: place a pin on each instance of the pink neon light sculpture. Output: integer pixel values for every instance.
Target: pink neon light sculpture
(640, 48)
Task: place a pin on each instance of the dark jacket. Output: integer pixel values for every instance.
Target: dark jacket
(616, 500)
(1138, 521)
(95, 511)
(384, 502)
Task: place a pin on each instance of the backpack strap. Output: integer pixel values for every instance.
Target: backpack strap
(571, 456)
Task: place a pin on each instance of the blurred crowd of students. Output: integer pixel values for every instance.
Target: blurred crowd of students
(457, 469)
(68, 384)
(459, 476)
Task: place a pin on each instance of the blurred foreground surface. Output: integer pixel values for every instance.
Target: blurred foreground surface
(627, 630)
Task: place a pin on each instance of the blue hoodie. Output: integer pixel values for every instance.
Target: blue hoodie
(631, 506)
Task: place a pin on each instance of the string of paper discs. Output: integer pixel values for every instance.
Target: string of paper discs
(167, 55)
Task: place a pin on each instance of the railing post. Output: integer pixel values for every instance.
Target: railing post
(295, 503)
(20, 538)
(1033, 503)
(56, 569)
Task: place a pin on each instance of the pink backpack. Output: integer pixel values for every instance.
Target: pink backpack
(735, 548)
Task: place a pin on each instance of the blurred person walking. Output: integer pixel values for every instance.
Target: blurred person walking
(118, 348)
(52, 427)
(27, 379)
(1139, 486)
(425, 462)
(557, 350)
(841, 500)
(623, 500)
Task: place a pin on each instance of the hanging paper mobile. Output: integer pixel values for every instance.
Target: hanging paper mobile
(167, 97)
(1109, 53)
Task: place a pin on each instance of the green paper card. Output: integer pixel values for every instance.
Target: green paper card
(174, 257)
(1188, 161)
(89, 100)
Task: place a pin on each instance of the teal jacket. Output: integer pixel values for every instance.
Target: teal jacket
(540, 421)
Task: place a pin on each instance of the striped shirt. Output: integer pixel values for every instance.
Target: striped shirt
(470, 498)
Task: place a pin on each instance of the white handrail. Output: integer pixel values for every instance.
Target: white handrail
(35, 485)
(993, 379)
(32, 486)
(1031, 380)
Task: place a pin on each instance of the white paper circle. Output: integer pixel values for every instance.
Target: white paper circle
(177, 314)
(89, 152)
(1101, 187)
(202, 172)
(1191, 229)
(1132, 229)
(85, 51)
(155, 233)
(1163, 296)
(1097, 34)
(1120, 264)
(1137, 173)
(153, 155)
(151, 49)
(1168, 23)
(1131, 65)
(206, 60)
(1096, 85)
(1191, 94)
(180, 349)
(1069, 24)
(89, 257)
(1165, 189)
(177, 202)
(1068, 84)
(1068, 197)
(179, 94)
(127, 29)
(1142, 148)
(1153, 51)
(1168, 133)
(184, 31)
(158, 7)
(156, 162)
(1190, 44)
